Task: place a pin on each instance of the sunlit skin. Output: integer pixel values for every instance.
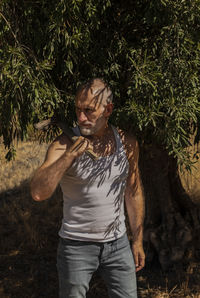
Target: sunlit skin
(93, 111)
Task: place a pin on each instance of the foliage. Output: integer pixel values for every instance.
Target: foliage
(148, 51)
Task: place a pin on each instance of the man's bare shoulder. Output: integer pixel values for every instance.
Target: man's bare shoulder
(61, 141)
(129, 141)
(57, 148)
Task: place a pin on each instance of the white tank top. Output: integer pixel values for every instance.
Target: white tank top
(93, 196)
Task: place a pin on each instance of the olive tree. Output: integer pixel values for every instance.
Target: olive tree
(148, 52)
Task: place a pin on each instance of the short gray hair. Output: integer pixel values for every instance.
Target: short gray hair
(87, 85)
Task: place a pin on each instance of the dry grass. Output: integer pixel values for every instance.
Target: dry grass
(29, 241)
(29, 156)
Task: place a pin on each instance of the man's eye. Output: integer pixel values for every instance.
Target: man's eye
(88, 110)
(84, 110)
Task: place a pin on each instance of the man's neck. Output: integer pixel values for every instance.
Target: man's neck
(100, 134)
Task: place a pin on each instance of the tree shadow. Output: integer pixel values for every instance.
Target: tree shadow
(29, 236)
(28, 241)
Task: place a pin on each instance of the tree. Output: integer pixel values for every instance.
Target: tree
(148, 52)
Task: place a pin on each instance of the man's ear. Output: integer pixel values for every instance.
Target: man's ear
(108, 110)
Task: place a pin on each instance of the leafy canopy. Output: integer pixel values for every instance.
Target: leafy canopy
(148, 51)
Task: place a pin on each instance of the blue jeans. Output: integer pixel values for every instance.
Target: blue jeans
(78, 260)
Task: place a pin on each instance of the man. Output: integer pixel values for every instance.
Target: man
(93, 234)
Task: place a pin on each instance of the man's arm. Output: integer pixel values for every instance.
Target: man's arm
(134, 200)
(59, 158)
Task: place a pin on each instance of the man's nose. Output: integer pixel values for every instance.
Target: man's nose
(82, 117)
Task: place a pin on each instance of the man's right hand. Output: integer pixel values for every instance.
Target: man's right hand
(79, 147)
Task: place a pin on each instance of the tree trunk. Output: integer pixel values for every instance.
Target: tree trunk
(172, 221)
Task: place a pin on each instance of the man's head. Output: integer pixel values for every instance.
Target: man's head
(93, 106)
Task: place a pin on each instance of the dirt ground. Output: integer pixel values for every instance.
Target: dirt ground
(29, 236)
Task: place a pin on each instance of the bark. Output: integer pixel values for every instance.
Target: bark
(172, 222)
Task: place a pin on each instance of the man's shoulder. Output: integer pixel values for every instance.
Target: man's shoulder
(130, 143)
(62, 139)
(60, 142)
(126, 137)
(56, 149)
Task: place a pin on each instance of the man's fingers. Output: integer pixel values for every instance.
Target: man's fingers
(136, 259)
(139, 258)
(77, 145)
(80, 146)
(141, 264)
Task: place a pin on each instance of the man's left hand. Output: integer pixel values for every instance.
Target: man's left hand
(139, 256)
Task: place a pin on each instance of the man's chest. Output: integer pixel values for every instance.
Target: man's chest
(105, 146)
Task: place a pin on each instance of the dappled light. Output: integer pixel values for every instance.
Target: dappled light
(148, 53)
(98, 172)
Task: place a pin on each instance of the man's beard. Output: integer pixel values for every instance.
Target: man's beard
(88, 131)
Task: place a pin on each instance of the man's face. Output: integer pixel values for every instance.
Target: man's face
(91, 112)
